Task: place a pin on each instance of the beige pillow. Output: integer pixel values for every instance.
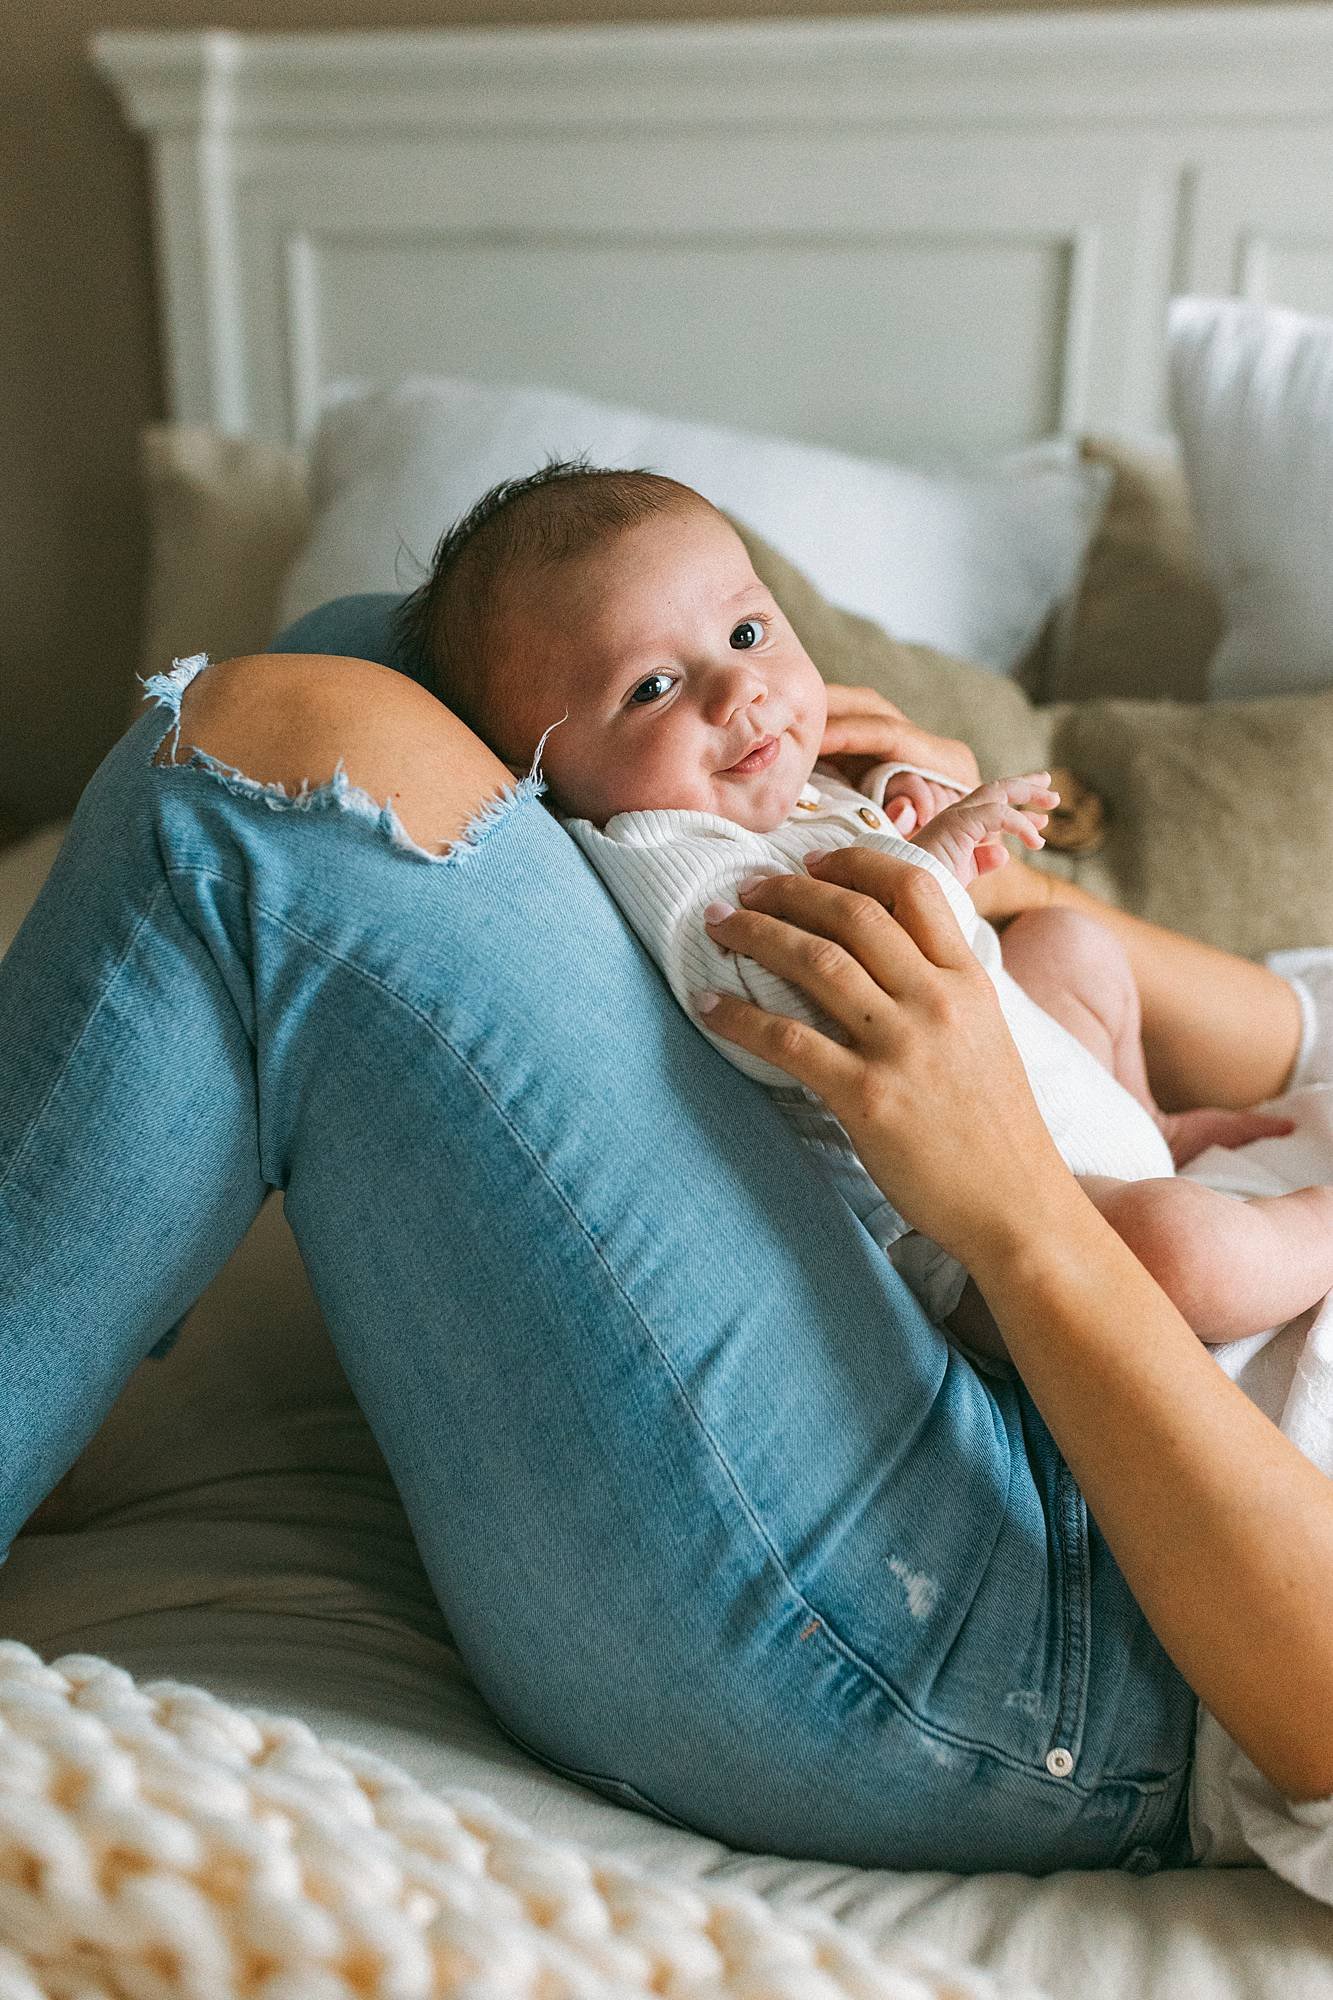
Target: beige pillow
(1146, 619)
(24, 866)
(226, 516)
(1217, 821)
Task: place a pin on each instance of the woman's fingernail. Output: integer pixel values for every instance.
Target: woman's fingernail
(705, 1001)
(815, 854)
(750, 882)
(716, 912)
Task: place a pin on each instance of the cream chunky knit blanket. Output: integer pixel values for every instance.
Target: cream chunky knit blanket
(158, 1844)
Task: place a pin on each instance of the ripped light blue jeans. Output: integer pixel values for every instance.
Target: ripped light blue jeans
(722, 1525)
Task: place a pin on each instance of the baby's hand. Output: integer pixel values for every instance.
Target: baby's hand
(966, 837)
(911, 801)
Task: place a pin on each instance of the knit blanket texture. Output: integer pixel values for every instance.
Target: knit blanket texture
(157, 1843)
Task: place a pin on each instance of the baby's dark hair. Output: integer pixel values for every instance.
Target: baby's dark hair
(444, 628)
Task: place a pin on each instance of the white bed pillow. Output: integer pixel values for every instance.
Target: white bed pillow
(1252, 401)
(971, 559)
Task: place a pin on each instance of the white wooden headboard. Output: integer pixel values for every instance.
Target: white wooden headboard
(891, 235)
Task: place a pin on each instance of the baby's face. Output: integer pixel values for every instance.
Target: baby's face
(674, 661)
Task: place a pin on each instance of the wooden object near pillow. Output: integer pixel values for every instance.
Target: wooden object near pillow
(1078, 824)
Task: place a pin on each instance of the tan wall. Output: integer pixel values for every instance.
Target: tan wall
(78, 331)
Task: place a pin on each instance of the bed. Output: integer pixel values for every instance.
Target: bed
(972, 228)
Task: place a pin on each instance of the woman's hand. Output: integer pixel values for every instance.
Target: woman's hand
(928, 1083)
(863, 729)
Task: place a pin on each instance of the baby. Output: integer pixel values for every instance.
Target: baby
(617, 614)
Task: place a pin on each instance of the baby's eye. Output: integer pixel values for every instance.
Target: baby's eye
(635, 702)
(748, 633)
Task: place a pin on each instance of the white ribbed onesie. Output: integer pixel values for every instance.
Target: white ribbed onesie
(663, 867)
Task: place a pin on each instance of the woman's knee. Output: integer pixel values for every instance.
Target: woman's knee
(290, 718)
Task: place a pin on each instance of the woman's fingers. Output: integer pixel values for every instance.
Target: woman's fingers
(862, 724)
(839, 947)
(920, 795)
(845, 700)
(878, 950)
(833, 1072)
(847, 954)
(860, 927)
(913, 897)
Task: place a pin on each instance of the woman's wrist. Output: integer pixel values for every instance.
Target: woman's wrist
(1028, 1231)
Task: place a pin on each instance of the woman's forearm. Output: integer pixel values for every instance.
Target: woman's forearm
(1222, 1528)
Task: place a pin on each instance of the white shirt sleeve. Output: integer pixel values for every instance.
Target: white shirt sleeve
(663, 872)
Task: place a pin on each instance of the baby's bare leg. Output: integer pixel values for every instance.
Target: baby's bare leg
(1230, 1266)
(1217, 1029)
(1078, 971)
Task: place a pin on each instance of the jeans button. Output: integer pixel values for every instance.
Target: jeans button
(1059, 1763)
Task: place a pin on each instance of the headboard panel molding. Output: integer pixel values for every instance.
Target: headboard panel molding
(894, 235)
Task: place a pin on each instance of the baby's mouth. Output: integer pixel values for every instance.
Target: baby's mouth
(757, 759)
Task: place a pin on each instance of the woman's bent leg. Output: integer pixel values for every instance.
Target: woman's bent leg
(129, 1156)
(721, 1524)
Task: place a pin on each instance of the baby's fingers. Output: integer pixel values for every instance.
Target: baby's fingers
(1024, 825)
(917, 792)
(1033, 789)
(981, 820)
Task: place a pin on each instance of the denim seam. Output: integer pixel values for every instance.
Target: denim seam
(852, 1658)
(96, 1008)
(1070, 1541)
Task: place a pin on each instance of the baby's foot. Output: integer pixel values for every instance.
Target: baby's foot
(1189, 1133)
